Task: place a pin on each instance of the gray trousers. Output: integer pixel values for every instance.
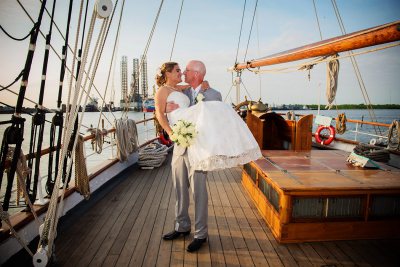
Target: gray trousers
(182, 179)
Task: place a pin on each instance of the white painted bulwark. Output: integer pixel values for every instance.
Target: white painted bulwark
(11, 246)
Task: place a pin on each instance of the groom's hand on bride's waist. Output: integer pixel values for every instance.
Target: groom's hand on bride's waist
(171, 106)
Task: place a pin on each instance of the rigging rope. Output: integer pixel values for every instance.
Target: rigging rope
(176, 31)
(357, 72)
(240, 32)
(251, 29)
(144, 55)
(5, 217)
(58, 119)
(19, 39)
(111, 61)
(22, 172)
(55, 51)
(49, 229)
(13, 135)
(316, 16)
(38, 122)
(12, 83)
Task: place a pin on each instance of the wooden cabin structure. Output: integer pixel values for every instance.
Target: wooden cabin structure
(315, 195)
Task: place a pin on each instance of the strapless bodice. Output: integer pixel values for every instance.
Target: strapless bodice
(179, 98)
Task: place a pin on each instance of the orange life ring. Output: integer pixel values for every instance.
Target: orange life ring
(324, 141)
(164, 138)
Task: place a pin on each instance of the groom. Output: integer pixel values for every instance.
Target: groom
(181, 178)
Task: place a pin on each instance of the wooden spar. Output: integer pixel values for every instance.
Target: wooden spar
(373, 36)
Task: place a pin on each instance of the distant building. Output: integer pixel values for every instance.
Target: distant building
(144, 80)
(124, 83)
(136, 99)
(135, 79)
(133, 99)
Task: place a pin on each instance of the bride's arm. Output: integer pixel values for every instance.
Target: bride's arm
(204, 86)
(182, 86)
(160, 104)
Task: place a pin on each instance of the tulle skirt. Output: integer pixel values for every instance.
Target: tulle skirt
(223, 139)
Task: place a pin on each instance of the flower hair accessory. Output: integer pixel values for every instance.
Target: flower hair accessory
(159, 73)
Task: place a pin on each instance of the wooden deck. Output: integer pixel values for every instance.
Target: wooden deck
(123, 225)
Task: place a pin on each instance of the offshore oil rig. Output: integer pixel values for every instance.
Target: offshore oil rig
(133, 94)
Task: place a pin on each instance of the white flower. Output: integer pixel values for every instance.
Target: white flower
(199, 97)
(159, 73)
(183, 133)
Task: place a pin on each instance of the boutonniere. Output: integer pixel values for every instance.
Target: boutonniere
(199, 98)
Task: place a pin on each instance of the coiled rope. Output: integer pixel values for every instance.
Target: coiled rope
(372, 152)
(332, 80)
(394, 135)
(126, 138)
(341, 123)
(98, 140)
(81, 176)
(290, 115)
(152, 155)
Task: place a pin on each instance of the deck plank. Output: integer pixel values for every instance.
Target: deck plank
(152, 252)
(149, 220)
(240, 222)
(214, 240)
(65, 242)
(100, 216)
(126, 225)
(104, 240)
(144, 204)
(164, 253)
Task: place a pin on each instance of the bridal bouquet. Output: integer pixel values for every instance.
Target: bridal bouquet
(183, 133)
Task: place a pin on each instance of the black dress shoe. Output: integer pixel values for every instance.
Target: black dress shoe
(175, 234)
(196, 244)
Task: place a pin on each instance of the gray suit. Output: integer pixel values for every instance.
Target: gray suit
(182, 179)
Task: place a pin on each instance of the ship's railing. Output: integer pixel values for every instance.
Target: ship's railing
(376, 125)
(357, 130)
(146, 134)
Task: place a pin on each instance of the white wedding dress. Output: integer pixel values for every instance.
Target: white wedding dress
(223, 139)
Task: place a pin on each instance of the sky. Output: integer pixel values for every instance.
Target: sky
(209, 31)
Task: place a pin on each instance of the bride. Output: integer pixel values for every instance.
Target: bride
(223, 140)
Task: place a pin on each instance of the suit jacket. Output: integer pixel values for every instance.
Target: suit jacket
(209, 95)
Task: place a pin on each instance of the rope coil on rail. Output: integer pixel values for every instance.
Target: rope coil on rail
(81, 176)
(394, 135)
(152, 155)
(126, 138)
(98, 140)
(341, 123)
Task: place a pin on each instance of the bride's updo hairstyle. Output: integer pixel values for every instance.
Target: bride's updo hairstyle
(161, 78)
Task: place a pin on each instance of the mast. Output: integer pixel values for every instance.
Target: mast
(373, 36)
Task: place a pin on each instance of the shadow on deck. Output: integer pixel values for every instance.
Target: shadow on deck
(124, 223)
